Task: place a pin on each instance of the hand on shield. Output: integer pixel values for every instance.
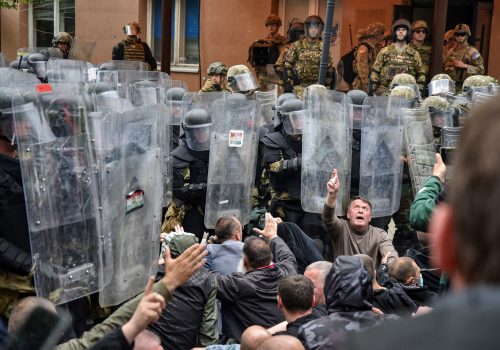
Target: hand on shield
(179, 270)
(148, 311)
(439, 168)
(270, 228)
(332, 187)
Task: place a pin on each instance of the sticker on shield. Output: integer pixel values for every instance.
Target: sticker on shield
(236, 138)
(135, 200)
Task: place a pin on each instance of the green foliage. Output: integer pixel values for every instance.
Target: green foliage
(12, 4)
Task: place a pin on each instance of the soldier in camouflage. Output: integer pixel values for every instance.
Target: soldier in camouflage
(365, 55)
(463, 60)
(217, 72)
(61, 44)
(438, 108)
(397, 58)
(303, 59)
(420, 30)
(273, 23)
(449, 42)
(132, 48)
(240, 79)
(295, 32)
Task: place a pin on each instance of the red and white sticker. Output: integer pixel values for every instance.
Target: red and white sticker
(236, 138)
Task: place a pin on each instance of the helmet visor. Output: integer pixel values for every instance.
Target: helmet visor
(242, 82)
(293, 122)
(198, 136)
(314, 30)
(441, 86)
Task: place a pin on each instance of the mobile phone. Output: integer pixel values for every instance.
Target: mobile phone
(447, 154)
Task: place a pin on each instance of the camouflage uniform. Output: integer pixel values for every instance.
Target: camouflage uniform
(465, 53)
(390, 61)
(212, 86)
(302, 62)
(366, 54)
(425, 55)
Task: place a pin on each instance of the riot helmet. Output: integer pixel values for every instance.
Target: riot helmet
(38, 65)
(441, 84)
(273, 19)
(277, 108)
(476, 83)
(405, 92)
(173, 99)
(313, 26)
(293, 116)
(132, 28)
(295, 30)
(240, 79)
(6, 115)
(197, 128)
(440, 112)
(217, 68)
(357, 98)
(401, 23)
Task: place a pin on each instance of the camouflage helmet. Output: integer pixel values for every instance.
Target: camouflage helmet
(175, 94)
(241, 79)
(375, 29)
(441, 76)
(362, 34)
(401, 23)
(273, 19)
(217, 68)
(403, 91)
(438, 103)
(475, 81)
(463, 28)
(420, 24)
(491, 80)
(449, 34)
(357, 97)
(402, 79)
(237, 70)
(62, 37)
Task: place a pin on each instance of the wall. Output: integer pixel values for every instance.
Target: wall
(228, 28)
(102, 22)
(494, 56)
(14, 31)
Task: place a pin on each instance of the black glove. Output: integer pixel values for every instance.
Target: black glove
(293, 164)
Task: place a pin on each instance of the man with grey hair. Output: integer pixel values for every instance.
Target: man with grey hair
(317, 272)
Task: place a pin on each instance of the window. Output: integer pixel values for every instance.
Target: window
(47, 17)
(185, 27)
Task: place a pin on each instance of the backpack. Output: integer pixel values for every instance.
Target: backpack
(347, 63)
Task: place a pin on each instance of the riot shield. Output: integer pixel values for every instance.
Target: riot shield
(267, 100)
(10, 77)
(124, 65)
(381, 165)
(67, 71)
(450, 137)
(233, 156)
(418, 138)
(326, 145)
(480, 97)
(81, 50)
(60, 184)
(131, 188)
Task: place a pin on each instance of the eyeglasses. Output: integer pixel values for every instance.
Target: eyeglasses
(421, 31)
(460, 34)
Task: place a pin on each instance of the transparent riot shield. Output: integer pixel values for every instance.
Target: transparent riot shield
(418, 139)
(130, 175)
(381, 164)
(124, 65)
(67, 71)
(233, 156)
(60, 184)
(10, 77)
(450, 136)
(81, 50)
(326, 145)
(480, 97)
(267, 100)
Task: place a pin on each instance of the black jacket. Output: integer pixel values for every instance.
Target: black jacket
(250, 298)
(113, 340)
(347, 291)
(468, 320)
(293, 327)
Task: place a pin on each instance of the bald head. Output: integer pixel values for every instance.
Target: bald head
(253, 336)
(22, 310)
(280, 342)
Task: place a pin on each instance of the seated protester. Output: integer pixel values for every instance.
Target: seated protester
(421, 210)
(178, 271)
(348, 289)
(149, 309)
(389, 301)
(191, 317)
(250, 298)
(296, 300)
(302, 246)
(225, 257)
(355, 235)
(405, 273)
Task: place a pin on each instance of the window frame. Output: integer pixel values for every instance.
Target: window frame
(31, 29)
(178, 43)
